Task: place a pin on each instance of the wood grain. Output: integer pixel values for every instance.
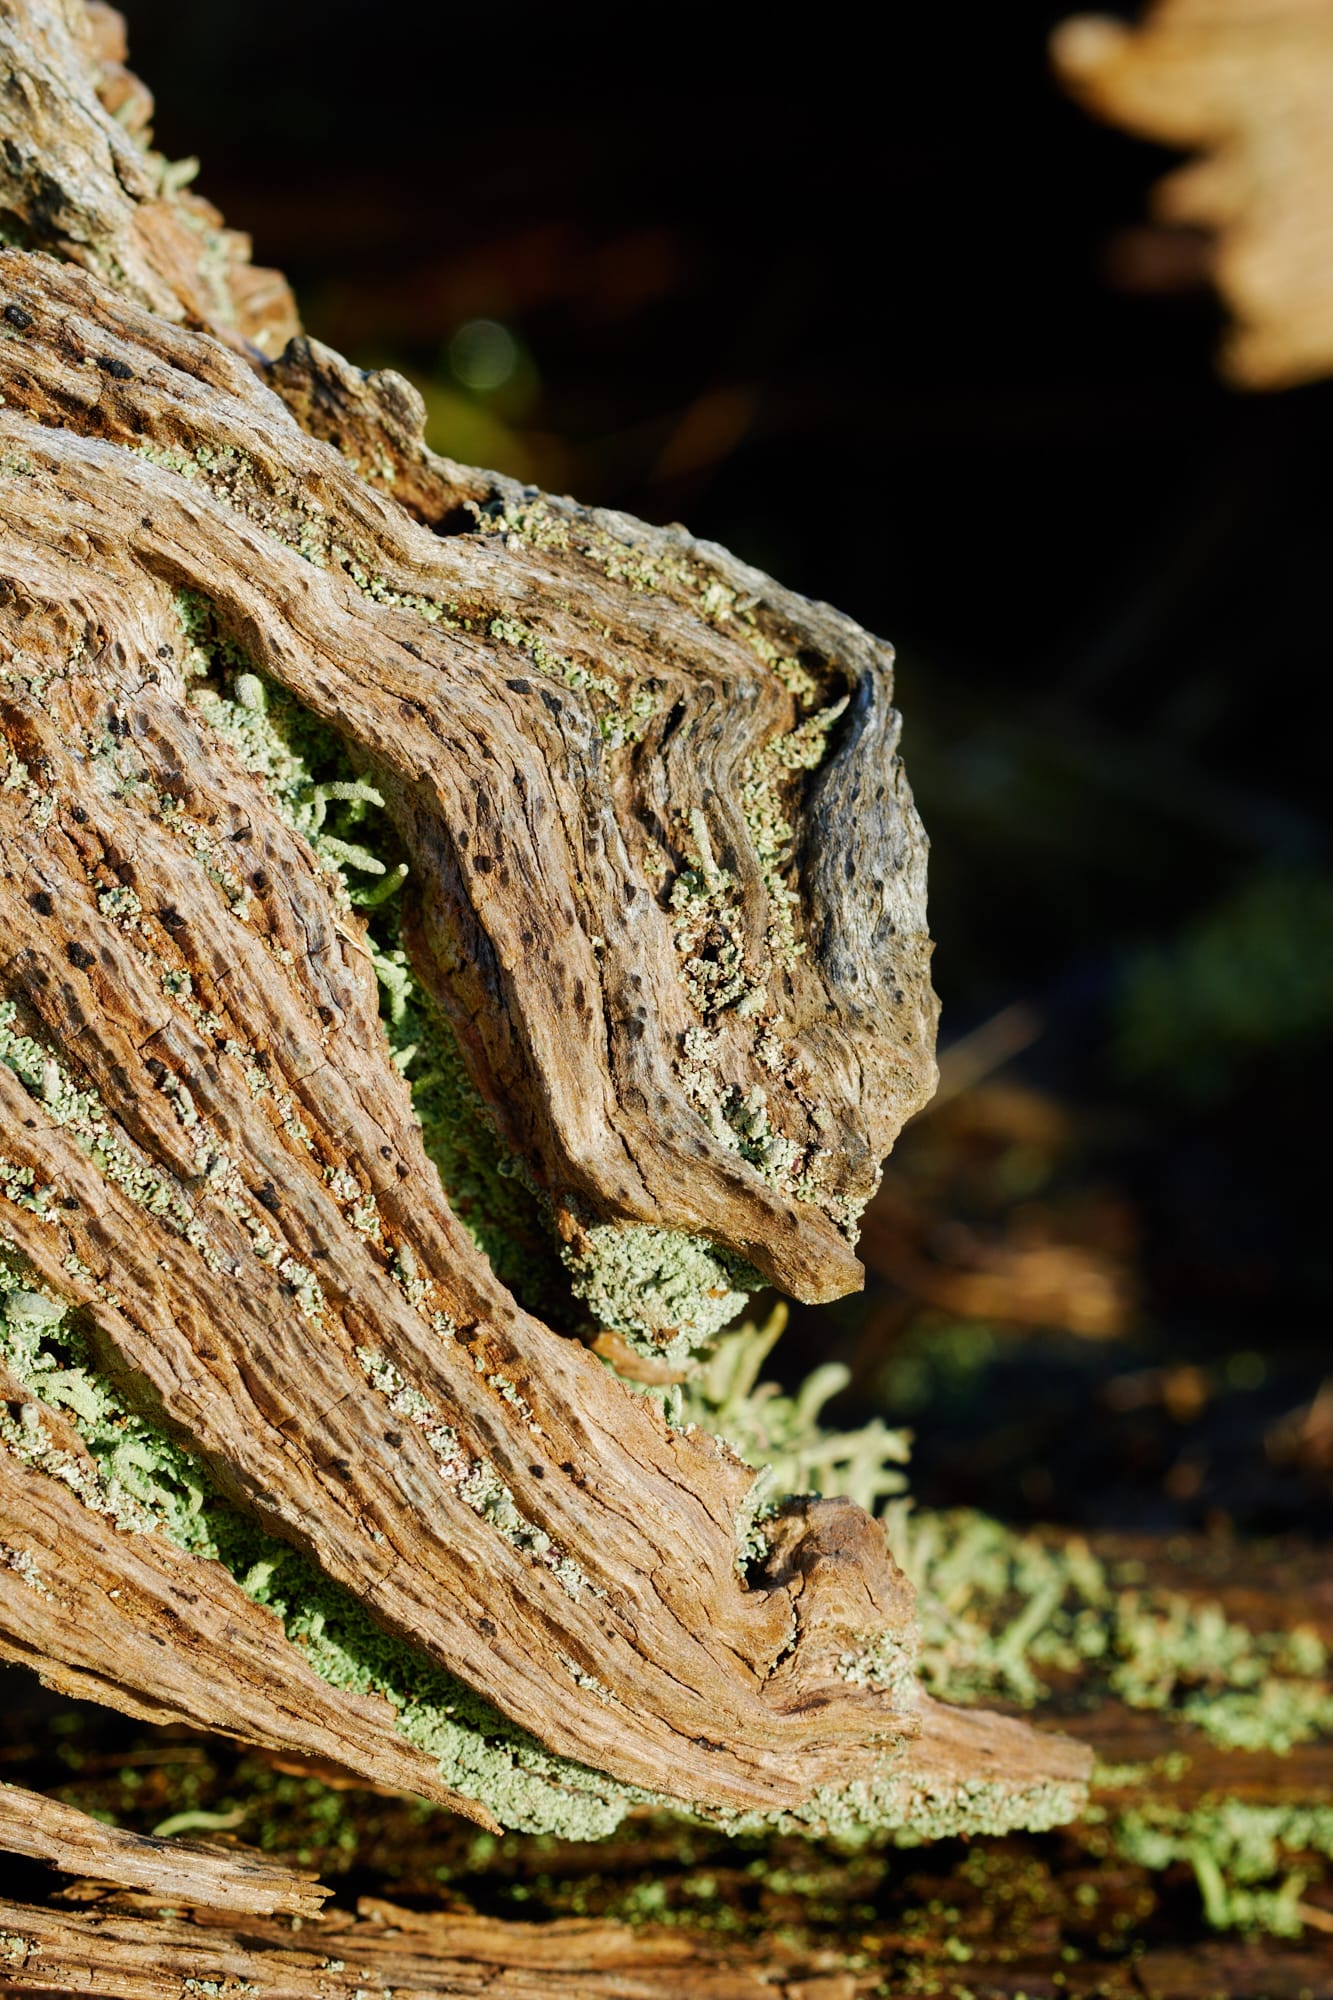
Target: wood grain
(571, 718)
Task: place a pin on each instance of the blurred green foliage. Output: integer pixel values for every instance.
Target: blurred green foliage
(1251, 977)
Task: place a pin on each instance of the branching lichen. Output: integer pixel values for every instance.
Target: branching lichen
(782, 1435)
(1241, 1855)
(997, 1607)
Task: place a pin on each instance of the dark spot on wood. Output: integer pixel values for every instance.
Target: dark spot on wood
(537, 1471)
(79, 955)
(41, 902)
(18, 316)
(393, 1439)
(268, 1195)
(120, 371)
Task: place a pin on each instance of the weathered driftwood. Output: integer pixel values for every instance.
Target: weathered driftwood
(1005, 1917)
(183, 1871)
(666, 883)
(144, 1957)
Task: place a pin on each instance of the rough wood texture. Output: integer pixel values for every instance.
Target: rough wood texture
(137, 1957)
(133, 1622)
(1246, 83)
(1071, 1913)
(78, 177)
(667, 882)
(174, 1870)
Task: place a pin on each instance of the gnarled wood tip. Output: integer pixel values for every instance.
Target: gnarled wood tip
(664, 883)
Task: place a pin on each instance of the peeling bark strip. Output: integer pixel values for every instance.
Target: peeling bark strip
(664, 878)
(210, 1878)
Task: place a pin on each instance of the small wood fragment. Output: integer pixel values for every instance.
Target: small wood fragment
(176, 1871)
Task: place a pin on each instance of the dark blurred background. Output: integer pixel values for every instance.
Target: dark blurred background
(880, 313)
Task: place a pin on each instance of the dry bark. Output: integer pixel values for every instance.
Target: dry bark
(175, 1870)
(140, 1957)
(210, 1157)
(131, 1621)
(1036, 1918)
(125, 1955)
(1245, 84)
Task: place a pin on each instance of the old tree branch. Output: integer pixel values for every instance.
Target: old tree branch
(309, 734)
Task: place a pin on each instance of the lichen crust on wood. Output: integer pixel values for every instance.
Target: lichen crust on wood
(656, 879)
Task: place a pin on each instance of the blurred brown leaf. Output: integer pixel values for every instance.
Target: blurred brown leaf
(1249, 85)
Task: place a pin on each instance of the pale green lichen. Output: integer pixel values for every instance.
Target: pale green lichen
(475, 1481)
(26, 1567)
(81, 1113)
(148, 1483)
(997, 1608)
(666, 1292)
(1240, 1853)
(802, 748)
(891, 1803)
(691, 1287)
(782, 1436)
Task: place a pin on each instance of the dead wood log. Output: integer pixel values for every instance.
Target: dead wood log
(134, 1956)
(1090, 1910)
(661, 901)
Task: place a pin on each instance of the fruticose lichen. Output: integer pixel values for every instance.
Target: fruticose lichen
(1241, 1855)
(997, 1607)
(781, 1435)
